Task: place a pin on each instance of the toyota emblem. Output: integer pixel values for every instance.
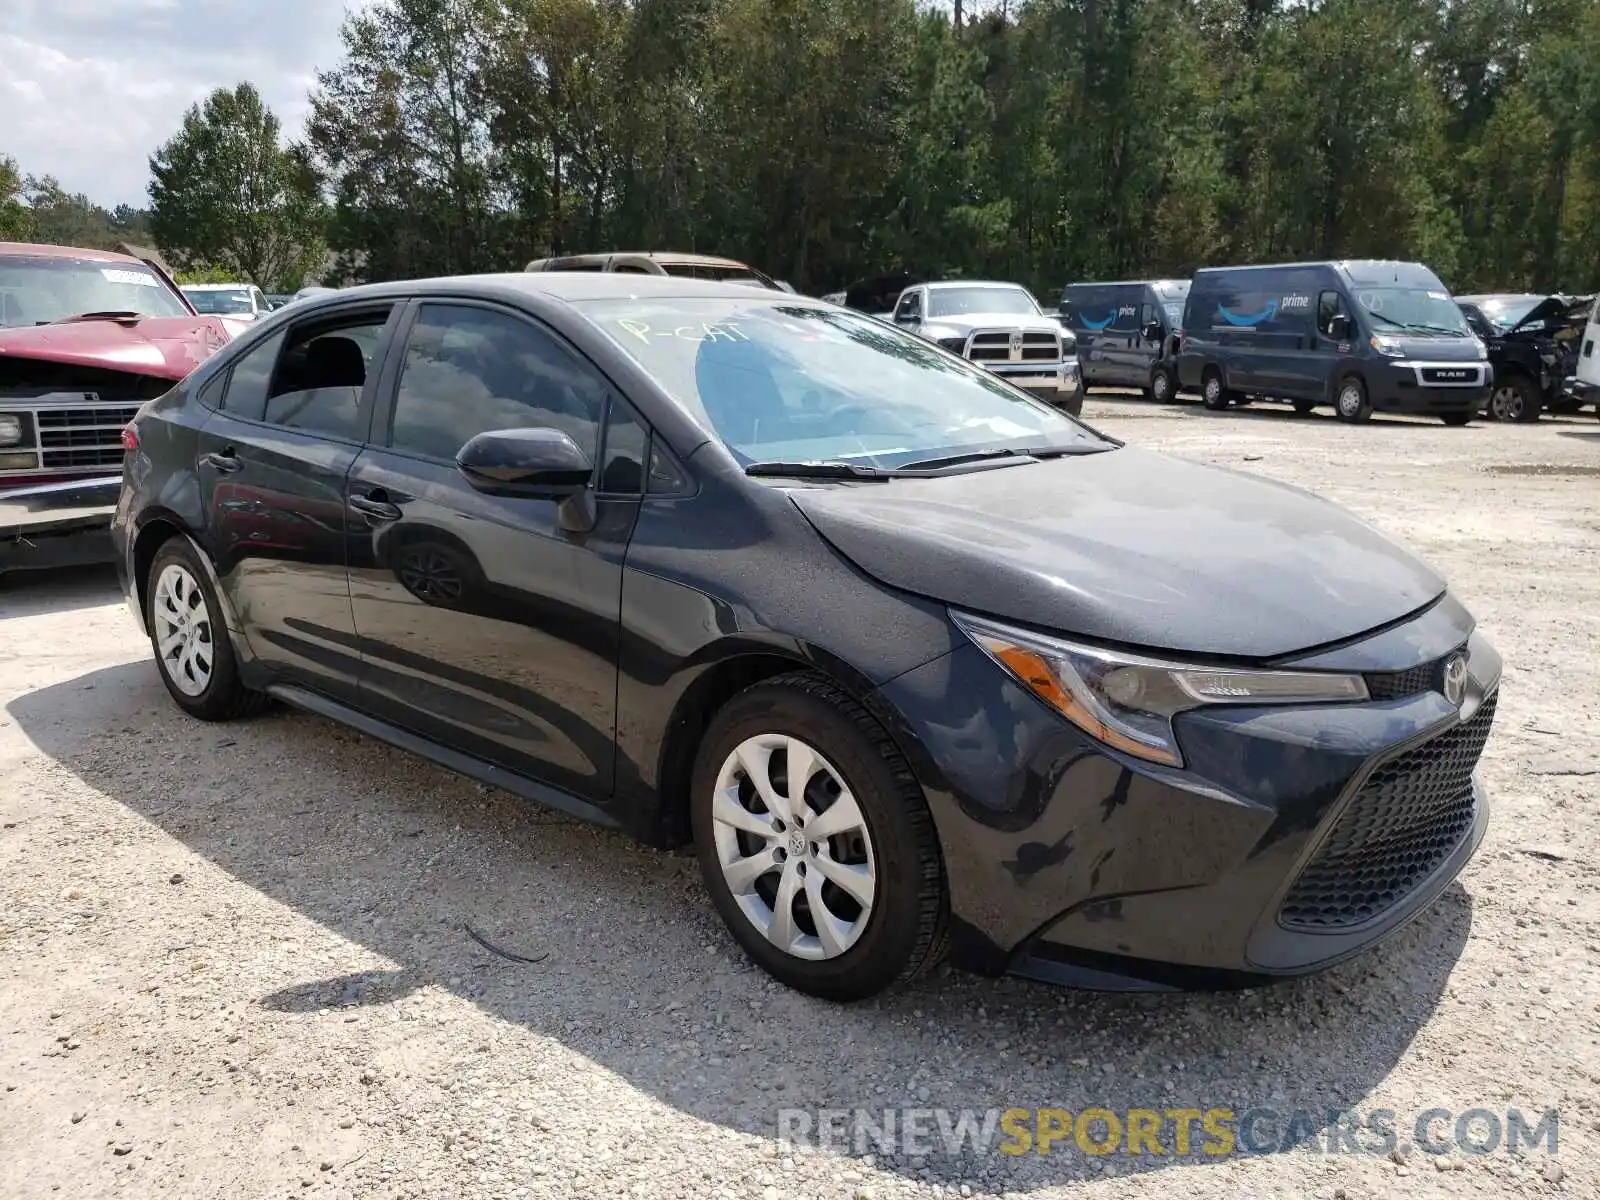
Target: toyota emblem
(1455, 679)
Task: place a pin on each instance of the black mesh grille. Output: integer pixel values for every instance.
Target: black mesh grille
(1407, 818)
(1396, 685)
(90, 436)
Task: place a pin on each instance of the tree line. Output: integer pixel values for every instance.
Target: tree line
(827, 140)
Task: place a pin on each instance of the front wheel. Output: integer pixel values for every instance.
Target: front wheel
(1351, 400)
(815, 841)
(1515, 399)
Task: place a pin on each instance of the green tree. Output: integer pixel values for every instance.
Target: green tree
(225, 192)
(16, 218)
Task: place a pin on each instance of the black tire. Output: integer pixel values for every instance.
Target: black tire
(904, 934)
(1350, 400)
(1303, 408)
(1456, 419)
(1212, 392)
(1163, 386)
(223, 696)
(1515, 398)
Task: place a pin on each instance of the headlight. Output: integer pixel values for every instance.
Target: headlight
(1128, 701)
(956, 345)
(1483, 350)
(1385, 346)
(10, 429)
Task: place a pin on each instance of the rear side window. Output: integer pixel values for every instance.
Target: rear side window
(321, 373)
(246, 395)
(469, 370)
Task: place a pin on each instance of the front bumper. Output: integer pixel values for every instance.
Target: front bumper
(1059, 383)
(1292, 839)
(1580, 391)
(1429, 388)
(57, 524)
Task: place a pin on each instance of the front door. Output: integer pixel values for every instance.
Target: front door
(272, 463)
(489, 624)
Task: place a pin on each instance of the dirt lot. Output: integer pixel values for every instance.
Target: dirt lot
(234, 959)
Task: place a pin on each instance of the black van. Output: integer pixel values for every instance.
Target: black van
(1361, 336)
(1127, 333)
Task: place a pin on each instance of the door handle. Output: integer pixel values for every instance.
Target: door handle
(375, 504)
(225, 461)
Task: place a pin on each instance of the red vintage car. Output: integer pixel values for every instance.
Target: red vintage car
(86, 337)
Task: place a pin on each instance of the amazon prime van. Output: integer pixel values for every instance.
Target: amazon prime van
(1361, 336)
(1127, 333)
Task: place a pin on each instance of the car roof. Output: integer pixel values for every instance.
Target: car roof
(560, 285)
(214, 287)
(973, 283)
(1502, 298)
(41, 250)
(660, 256)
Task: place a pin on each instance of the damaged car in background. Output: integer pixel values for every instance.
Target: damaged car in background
(86, 337)
(1533, 347)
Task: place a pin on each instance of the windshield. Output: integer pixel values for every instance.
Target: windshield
(220, 300)
(784, 382)
(956, 302)
(39, 289)
(1420, 310)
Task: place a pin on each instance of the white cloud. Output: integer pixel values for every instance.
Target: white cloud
(89, 88)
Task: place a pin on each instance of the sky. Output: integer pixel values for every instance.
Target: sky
(90, 88)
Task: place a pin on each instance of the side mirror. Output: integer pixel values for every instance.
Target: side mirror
(1152, 331)
(1339, 328)
(525, 462)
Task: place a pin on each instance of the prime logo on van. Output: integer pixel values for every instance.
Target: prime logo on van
(1290, 303)
(1127, 310)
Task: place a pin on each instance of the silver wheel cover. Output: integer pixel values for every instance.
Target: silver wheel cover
(1506, 404)
(182, 626)
(1350, 399)
(794, 847)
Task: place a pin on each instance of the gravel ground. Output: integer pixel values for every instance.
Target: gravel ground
(234, 960)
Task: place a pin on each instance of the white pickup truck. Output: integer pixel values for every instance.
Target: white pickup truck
(999, 326)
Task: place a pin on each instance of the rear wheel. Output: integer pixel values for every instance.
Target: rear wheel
(815, 841)
(1212, 394)
(1351, 400)
(1163, 387)
(190, 640)
(1515, 398)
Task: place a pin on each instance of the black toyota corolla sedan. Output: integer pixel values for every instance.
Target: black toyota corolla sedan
(918, 664)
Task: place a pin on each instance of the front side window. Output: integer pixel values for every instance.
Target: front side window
(1330, 306)
(910, 307)
(469, 370)
(959, 301)
(38, 289)
(779, 380)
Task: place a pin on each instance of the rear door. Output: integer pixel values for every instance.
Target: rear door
(489, 624)
(272, 461)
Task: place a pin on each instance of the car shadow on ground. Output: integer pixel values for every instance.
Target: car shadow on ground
(31, 593)
(402, 858)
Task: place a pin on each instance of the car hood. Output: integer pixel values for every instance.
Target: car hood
(967, 322)
(1551, 308)
(1133, 548)
(1435, 347)
(166, 347)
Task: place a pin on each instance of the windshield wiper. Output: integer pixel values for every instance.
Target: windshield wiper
(109, 315)
(1020, 454)
(817, 470)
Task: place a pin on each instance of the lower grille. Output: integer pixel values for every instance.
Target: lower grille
(1408, 817)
